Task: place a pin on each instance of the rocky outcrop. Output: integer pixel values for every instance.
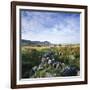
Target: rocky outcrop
(49, 67)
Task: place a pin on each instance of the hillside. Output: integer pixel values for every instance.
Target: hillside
(29, 42)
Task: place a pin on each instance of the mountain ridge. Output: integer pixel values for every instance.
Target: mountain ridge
(29, 42)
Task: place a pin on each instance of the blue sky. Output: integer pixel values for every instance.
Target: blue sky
(55, 27)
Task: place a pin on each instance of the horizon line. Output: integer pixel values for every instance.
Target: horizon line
(51, 42)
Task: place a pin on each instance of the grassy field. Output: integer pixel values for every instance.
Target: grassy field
(31, 57)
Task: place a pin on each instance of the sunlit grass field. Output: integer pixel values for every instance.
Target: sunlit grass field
(31, 56)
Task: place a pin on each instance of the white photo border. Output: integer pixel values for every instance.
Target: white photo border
(53, 79)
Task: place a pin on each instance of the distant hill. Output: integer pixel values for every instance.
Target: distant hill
(29, 42)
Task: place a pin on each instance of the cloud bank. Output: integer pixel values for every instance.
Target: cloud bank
(55, 27)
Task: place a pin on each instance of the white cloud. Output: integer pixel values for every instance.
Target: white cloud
(46, 27)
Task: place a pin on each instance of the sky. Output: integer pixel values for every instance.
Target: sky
(55, 27)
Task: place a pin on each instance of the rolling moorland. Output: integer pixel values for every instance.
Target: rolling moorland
(44, 59)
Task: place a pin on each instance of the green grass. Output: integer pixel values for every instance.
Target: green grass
(31, 56)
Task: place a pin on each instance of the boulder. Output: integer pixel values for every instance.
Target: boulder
(70, 71)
